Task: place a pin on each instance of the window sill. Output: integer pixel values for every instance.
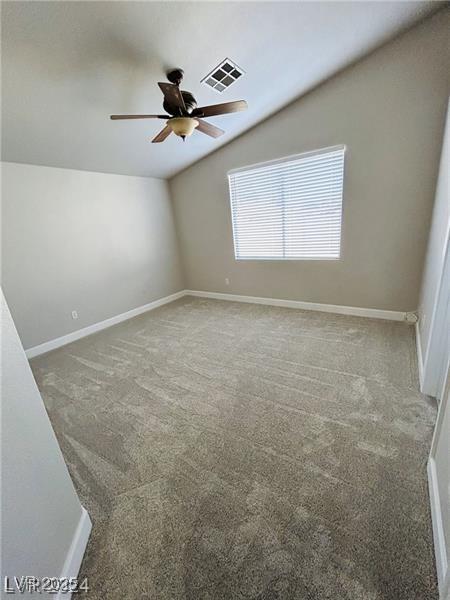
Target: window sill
(289, 259)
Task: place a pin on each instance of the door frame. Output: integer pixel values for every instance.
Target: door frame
(438, 347)
(438, 512)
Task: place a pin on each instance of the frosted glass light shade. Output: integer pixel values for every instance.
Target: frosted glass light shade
(183, 126)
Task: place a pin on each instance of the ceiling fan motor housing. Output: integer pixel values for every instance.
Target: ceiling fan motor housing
(189, 101)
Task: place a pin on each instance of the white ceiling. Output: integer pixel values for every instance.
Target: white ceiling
(68, 65)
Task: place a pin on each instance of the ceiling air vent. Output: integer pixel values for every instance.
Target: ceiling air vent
(223, 76)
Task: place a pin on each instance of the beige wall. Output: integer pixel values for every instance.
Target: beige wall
(75, 240)
(40, 508)
(389, 111)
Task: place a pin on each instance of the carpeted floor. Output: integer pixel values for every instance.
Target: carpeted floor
(236, 451)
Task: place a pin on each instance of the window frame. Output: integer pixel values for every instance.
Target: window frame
(285, 159)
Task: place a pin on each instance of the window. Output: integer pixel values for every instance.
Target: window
(289, 209)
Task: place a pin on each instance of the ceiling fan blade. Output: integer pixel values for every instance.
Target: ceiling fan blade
(219, 109)
(173, 95)
(162, 135)
(209, 129)
(117, 117)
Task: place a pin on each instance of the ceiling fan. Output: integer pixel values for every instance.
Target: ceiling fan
(184, 115)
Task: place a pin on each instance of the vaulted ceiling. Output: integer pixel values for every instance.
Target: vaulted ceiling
(68, 65)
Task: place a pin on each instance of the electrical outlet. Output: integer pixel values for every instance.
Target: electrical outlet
(227, 281)
(74, 314)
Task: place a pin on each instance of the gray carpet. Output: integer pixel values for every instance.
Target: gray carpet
(236, 451)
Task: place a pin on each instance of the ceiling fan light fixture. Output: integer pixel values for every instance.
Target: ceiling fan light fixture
(182, 126)
(182, 113)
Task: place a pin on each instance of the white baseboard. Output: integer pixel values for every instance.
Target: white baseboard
(442, 566)
(76, 551)
(373, 313)
(419, 355)
(80, 333)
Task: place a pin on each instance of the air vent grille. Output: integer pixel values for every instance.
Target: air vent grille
(223, 76)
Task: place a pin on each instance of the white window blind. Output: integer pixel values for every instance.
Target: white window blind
(289, 208)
